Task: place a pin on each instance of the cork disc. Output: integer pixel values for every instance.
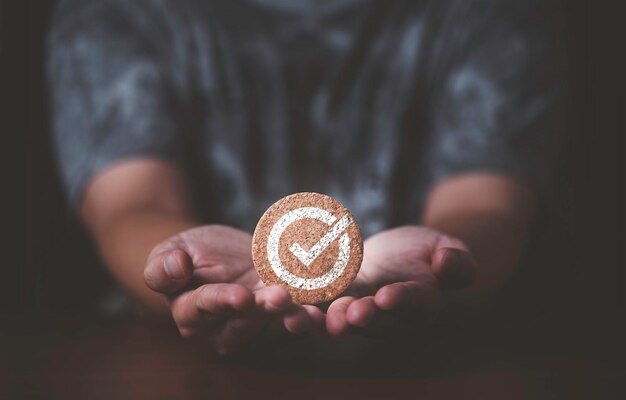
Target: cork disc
(310, 244)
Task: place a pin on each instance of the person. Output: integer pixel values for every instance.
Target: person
(177, 124)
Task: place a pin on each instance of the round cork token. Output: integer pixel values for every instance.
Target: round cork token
(310, 244)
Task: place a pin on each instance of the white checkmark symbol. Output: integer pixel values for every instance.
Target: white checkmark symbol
(307, 257)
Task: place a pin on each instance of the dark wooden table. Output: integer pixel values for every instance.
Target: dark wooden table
(73, 358)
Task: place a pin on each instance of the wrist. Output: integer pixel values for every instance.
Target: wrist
(125, 243)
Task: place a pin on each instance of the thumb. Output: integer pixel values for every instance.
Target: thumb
(455, 268)
(168, 271)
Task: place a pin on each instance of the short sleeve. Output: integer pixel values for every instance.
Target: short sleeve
(494, 87)
(109, 96)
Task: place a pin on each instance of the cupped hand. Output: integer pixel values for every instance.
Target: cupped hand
(214, 292)
(405, 275)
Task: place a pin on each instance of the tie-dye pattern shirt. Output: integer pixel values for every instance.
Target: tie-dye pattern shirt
(371, 102)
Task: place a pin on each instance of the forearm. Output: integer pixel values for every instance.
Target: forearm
(125, 243)
(129, 208)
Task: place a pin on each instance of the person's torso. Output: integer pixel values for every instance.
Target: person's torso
(281, 97)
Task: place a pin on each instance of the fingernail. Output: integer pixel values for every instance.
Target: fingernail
(172, 267)
(452, 263)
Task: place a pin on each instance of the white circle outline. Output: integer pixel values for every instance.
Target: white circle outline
(279, 269)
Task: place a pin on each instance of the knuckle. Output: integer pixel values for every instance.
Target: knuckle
(178, 256)
(150, 278)
(161, 248)
(147, 276)
(206, 295)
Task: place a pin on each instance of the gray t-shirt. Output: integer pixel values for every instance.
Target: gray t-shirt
(370, 102)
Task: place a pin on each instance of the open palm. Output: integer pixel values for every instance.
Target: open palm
(214, 292)
(404, 269)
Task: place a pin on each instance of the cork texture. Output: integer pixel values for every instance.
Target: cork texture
(310, 244)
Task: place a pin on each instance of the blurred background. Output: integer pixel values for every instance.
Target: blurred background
(574, 282)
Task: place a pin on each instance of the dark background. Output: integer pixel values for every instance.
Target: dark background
(574, 280)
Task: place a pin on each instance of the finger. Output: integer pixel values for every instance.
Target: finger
(361, 311)
(210, 302)
(317, 317)
(336, 322)
(313, 323)
(169, 271)
(384, 324)
(454, 268)
(408, 295)
(238, 330)
(297, 320)
(272, 299)
(218, 298)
